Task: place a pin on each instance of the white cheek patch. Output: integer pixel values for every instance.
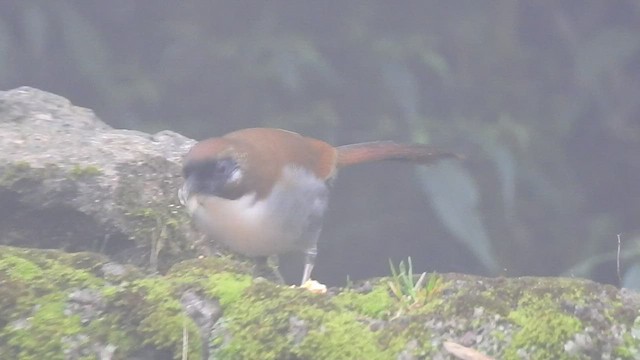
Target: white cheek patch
(236, 175)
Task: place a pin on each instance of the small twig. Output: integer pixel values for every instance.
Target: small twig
(463, 352)
(185, 341)
(618, 261)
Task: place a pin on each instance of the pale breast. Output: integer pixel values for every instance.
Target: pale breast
(288, 219)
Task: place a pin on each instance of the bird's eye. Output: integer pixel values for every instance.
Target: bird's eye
(213, 173)
(225, 167)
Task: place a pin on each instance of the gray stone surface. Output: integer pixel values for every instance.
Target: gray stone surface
(70, 181)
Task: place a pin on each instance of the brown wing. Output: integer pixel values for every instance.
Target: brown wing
(273, 149)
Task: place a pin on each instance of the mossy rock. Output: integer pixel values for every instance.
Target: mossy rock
(55, 305)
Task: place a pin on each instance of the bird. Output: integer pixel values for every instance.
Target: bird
(264, 191)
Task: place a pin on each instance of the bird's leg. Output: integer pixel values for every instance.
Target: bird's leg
(309, 262)
(269, 272)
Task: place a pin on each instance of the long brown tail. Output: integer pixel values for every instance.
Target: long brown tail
(389, 150)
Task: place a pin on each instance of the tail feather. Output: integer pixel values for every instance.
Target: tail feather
(389, 150)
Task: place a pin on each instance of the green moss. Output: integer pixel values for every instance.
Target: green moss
(266, 321)
(228, 288)
(19, 268)
(11, 291)
(376, 303)
(160, 225)
(139, 313)
(42, 335)
(43, 269)
(150, 309)
(155, 219)
(147, 213)
(35, 291)
(155, 227)
(341, 336)
(544, 329)
(21, 166)
(14, 172)
(39, 287)
(217, 277)
(271, 322)
(196, 270)
(399, 334)
(147, 312)
(260, 322)
(572, 290)
(630, 349)
(464, 304)
(78, 171)
(19, 171)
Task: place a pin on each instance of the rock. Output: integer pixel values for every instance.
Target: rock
(55, 305)
(69, 181)
(204, 312)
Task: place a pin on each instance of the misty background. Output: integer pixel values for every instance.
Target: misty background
(543, 99)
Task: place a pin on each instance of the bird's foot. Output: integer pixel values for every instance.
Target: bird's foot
(268, 271)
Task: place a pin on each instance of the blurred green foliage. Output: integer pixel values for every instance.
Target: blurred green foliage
(541, 96)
